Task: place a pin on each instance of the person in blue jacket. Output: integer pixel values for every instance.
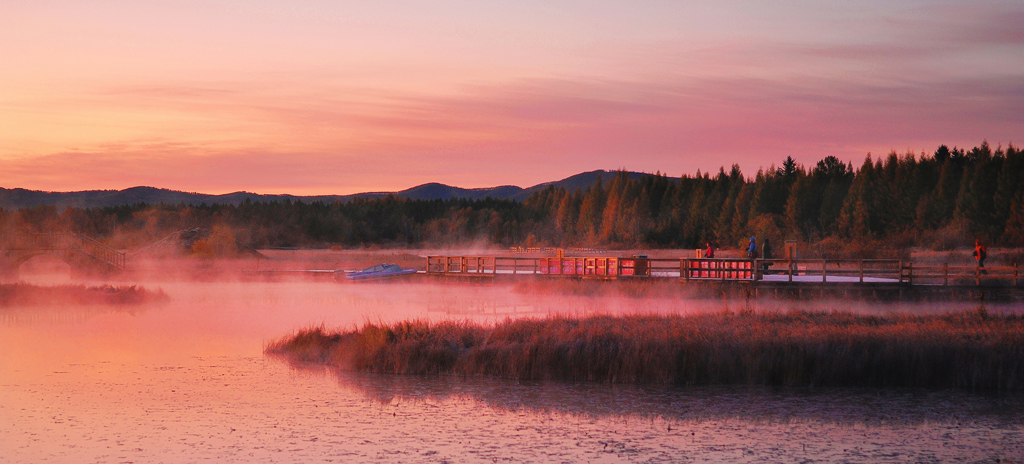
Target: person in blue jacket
(752, 249)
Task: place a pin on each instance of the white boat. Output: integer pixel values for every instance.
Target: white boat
(379, 271)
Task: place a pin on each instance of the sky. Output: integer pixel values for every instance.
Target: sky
(336, 97)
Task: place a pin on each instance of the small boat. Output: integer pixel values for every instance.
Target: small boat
(380, 271)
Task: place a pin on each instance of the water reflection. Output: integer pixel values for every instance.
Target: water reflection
(62, 314)
(871, 407)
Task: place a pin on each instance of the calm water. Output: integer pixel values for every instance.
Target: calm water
(187, 381)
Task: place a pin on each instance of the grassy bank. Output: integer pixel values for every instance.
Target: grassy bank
(22, 294)
(969, 350)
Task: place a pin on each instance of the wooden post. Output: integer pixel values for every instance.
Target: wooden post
(862, 271)
(910, 273)
(791, 266)
(945, 274)
(684, 267)
(977, 276)
(824, 271)
(1014, 274)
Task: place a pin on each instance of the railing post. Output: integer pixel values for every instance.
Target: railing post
(945, 274)
(910, 272)
(791, 266)
(1014, 274)
(824, 271)
(862, 271)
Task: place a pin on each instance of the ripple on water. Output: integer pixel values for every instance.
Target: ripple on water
(184, 383)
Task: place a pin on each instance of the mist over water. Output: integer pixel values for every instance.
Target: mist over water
(186, 381)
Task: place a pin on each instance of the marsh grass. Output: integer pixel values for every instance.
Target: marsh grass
(967, 350)
(23, 294)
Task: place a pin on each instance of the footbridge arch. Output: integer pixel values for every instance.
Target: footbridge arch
(82, 253)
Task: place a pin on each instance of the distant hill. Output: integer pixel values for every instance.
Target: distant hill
(21, 198)
(435, 191)
(578, 181)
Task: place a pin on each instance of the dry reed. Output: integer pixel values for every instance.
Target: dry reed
(968, 350)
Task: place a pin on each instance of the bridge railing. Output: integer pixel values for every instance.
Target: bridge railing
(717, 269)
(963, 275)
(832, 270)
(99, 251)
(553, 266)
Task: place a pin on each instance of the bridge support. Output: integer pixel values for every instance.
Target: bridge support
(8, 269)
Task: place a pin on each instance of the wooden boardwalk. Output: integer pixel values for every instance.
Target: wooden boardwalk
(758, 272)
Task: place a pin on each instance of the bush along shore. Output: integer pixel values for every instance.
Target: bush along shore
(22, 294)
(973, 350)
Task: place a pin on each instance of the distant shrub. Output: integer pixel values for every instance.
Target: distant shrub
(22, 294)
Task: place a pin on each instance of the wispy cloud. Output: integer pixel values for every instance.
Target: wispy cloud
(511, 134)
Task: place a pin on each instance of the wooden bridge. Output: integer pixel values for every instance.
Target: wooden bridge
(780, 272)
(82, 253)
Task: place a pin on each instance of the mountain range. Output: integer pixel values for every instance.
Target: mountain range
(15, 198)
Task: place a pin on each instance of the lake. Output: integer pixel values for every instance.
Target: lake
(187, 381)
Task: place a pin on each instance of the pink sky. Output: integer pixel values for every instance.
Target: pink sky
(327, 97)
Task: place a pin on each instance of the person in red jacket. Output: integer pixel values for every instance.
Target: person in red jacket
(710, 252)
(980, 253)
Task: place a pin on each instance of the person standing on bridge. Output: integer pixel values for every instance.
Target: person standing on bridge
(980, 253)
(709, 253)
(752, 249)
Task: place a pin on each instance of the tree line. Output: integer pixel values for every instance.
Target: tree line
(940, 200)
